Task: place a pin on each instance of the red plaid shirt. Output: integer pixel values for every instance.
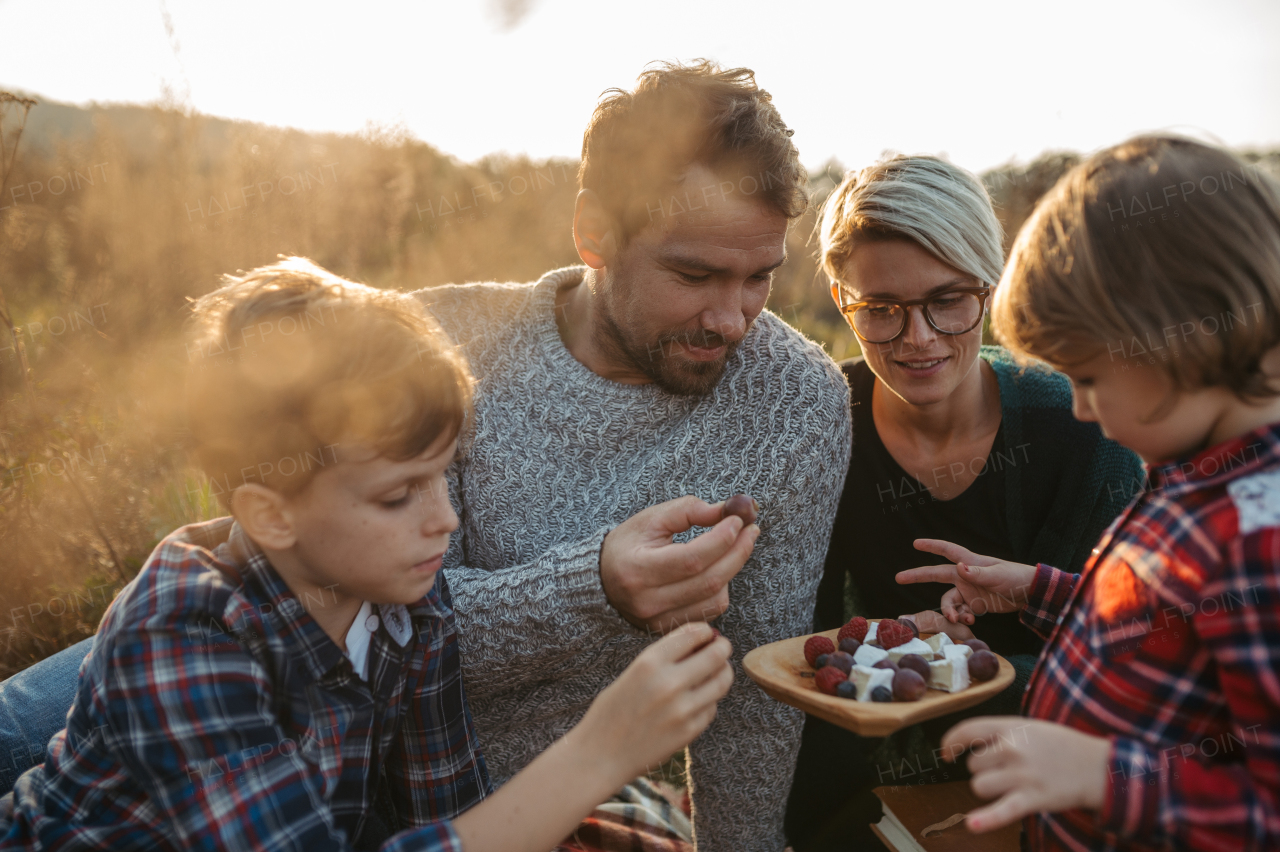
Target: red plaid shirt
(1168, 644)
(214, 713)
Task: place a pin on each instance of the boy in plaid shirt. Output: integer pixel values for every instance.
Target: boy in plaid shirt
(1150, 275)
(287, 678)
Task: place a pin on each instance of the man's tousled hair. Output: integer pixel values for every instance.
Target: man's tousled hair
(640, 143)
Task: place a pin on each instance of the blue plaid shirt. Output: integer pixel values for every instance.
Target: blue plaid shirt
(214, 713)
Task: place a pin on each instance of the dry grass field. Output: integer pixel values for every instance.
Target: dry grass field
(113, 218)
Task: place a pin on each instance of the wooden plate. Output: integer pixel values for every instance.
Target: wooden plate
(778, 666)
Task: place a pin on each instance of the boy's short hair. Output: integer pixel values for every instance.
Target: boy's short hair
(938, 206)
(639, 144)
(1160, 249)
(290, 360)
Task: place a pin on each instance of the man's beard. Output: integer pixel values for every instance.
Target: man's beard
(659, 360)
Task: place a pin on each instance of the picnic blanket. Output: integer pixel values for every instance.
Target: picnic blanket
(645, 816)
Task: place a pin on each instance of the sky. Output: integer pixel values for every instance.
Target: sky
(983, 82)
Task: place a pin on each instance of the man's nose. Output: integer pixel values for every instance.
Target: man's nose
(725, 318)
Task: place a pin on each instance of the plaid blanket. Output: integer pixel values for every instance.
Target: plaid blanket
(645, 816)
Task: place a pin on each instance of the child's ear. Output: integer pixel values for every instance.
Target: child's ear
(593, 230)
(262, 513)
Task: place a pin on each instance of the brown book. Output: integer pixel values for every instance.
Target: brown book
(908, 809)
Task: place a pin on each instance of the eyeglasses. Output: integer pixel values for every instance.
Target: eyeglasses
(949, 312)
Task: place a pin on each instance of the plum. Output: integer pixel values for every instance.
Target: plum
(849, 645)
(983, 665)
(886, 663)
(881, 693)
(915, 663)
(841, 660)
(908, 685)
(743, 506)
(911, 622)
(976, 644)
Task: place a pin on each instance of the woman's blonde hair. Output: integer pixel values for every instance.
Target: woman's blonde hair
(289, 360)
(1162, 250)
(938, 206)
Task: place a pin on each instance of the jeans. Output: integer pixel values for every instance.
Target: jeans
(33, 707)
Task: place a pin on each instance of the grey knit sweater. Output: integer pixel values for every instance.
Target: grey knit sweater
(559, 457)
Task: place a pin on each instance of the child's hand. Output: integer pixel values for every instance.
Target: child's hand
(982, 584)
(1047, 767)
(931, 621)
(665, 698)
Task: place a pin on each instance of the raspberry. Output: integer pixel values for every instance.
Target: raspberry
(815, 646)
(828, 678)
(893, 633)
(855, 629)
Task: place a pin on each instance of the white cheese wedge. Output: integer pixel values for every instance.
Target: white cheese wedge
(867, 679)
(937, 641)
(915, 646)
(959, 652)
(871, 631)
(869, 655)
(950, 674)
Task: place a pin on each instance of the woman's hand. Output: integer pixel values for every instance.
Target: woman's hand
(982, 584)
(931, 621)
(665, 698)
(1032, 766)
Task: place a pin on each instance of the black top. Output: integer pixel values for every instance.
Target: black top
(1051, 486)
(884, 509)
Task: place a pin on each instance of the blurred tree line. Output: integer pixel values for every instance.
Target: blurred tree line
(113, 218)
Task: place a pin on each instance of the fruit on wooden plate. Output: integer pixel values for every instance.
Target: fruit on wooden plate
(916, 663)
(983, 665)
(908, 685)
(847, 689)
(976, 644)
(856, 628)
(881, 693)
(886, 663)
(817, 645)
(743, 506)
(841, 660)
(893, 633)
(850, 645)
(828, 678)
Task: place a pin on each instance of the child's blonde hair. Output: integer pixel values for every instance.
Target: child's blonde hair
(1161, 249)
(289, 361)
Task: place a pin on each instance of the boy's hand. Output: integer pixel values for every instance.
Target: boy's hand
(982, 584)
(931, 621)
(1048, 767)
(656, 584)
(665, 698)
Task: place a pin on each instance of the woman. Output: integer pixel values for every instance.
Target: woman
(952, 441)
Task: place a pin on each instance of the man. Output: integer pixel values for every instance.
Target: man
(614, 401)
